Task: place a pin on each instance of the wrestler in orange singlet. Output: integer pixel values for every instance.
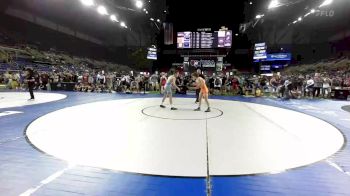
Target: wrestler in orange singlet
(204, 92)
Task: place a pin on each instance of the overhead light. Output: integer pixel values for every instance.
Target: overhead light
(139, 4)
(144, 9)
(158, 20)
(300, 19)
(122, 24)
(274, 4)
(295, 22)
(326, 2)
(259, 16)
(87, 2)
(236, 34)
(102, 10)
(114, 18)
(311, 12)
(152, 19)
(146, 12)
(251, 3)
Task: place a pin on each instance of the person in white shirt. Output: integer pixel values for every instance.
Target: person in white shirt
(309, 86)
(125, 82)
(326, 86)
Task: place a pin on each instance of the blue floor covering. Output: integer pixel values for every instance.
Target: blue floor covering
(22, 167)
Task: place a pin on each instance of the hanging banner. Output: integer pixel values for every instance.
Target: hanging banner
(168, 33)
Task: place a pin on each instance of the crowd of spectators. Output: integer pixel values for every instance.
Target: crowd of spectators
(317, 80)
(284, 85)
(86, 80)
(279, 85)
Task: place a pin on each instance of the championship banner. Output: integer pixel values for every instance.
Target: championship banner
(168, 33)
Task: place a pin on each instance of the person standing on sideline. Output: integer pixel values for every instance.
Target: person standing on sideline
(162, 82)
(204, 92)
(309, 86)
(31, 82)
(171, 81)
(199, 72)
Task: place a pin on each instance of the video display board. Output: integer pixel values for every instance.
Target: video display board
(152, 53)
(217, 39)
(260, 51)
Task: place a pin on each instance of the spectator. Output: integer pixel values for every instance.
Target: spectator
(211, 84)
(318, 83)
(309, 86)
(163, 80)
(44, 80)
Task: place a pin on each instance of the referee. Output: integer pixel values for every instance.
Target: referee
(31, 82)
(198, 90)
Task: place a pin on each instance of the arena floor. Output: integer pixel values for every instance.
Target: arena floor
(107, 144)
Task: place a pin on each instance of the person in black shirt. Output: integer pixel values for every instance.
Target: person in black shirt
(211, 84)
(44, 80)
(142, 84)
(30, 79)
(223, 86)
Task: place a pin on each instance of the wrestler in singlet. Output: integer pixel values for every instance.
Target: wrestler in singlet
(203, 86)
(168, 85)
(204, 92)
(168, 92)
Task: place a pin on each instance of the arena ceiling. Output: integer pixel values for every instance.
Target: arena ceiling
(326, 17)
(190, 15)
(73, 14)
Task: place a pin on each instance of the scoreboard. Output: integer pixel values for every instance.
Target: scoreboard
(260, 51)
(152, 53)
(217, 39)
